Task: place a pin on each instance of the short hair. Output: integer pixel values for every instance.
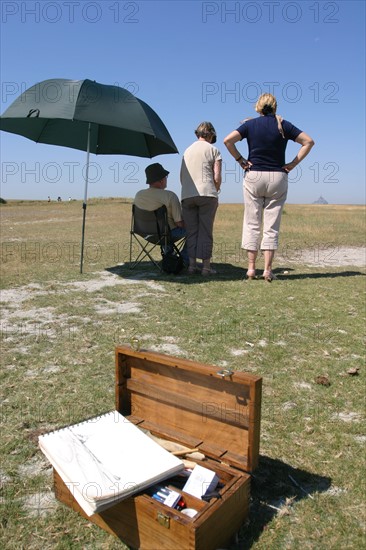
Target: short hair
(266, 104)
(205, 130)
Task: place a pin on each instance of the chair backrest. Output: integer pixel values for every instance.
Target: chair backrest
(151, 225)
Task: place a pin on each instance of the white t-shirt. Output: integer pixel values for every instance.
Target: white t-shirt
(197, 170)
(153, 198)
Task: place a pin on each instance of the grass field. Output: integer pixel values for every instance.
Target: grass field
(59, 329)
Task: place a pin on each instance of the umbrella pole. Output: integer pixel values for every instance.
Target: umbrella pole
(85, 198)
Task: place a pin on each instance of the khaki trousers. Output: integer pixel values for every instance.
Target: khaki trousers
(199, 215)
(264, 197)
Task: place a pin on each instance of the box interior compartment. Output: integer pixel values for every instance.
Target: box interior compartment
(197, 405)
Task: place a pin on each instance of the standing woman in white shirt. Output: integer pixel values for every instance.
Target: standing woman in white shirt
(200, 177)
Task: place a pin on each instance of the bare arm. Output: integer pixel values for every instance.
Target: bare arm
(306, 143)
(230, 141)
(217, 174)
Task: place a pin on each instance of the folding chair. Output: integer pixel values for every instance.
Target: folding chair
(150, 229)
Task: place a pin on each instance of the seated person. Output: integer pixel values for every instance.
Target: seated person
(156, 195)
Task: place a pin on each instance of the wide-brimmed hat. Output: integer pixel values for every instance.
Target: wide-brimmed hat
(155, 172)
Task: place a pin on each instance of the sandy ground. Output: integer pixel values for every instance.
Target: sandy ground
(326, 256)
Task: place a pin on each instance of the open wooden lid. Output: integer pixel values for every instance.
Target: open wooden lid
(199, 405)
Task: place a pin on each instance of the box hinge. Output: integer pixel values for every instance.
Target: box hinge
(163, 520)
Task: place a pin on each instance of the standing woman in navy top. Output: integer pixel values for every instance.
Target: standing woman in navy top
(266, 177)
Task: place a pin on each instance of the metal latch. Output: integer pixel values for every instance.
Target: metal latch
(225, 372)
(163, 520)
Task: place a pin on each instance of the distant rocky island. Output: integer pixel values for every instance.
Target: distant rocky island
(321, 200)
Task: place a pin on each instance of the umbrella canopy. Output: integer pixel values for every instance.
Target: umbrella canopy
(92, 117)
(58, 111)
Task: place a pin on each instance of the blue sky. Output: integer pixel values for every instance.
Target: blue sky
(193, 61)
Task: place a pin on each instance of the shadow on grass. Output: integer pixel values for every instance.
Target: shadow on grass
(328, 275)
(225, 271)
(146, 270)
(275, 486)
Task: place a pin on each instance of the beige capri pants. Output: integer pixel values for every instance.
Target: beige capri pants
(264, 197)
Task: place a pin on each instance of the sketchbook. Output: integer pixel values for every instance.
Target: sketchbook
(106, 459)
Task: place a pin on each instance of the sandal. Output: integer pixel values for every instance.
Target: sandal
(250, 275)
(268, 276)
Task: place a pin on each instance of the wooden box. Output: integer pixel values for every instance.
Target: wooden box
(201, 406)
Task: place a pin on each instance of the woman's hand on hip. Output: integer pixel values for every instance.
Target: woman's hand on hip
(245, 164)
(289, 166)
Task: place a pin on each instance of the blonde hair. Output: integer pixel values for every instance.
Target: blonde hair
(266, 104)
